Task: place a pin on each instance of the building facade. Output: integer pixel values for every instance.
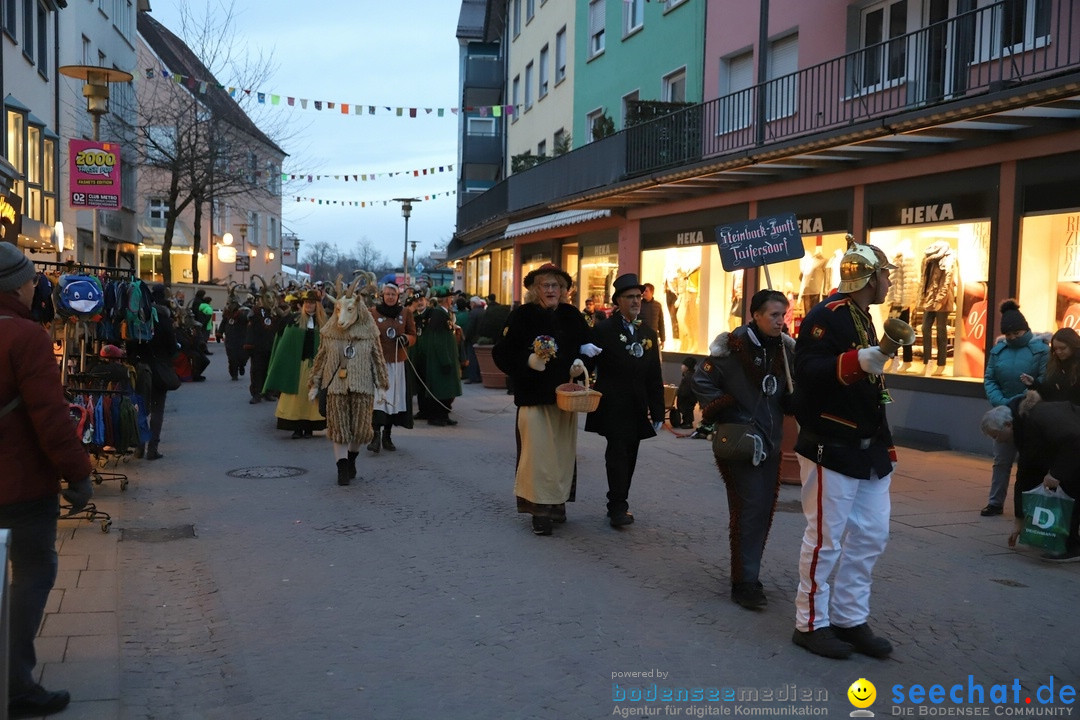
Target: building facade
(944, 132)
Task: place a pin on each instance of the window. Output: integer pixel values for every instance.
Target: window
(528, 85)
(48, 180)
(736, 101)
(32, 207)
(781, 94)
(28, 28)
(252, 167)
(273, 177)
(626, 100)
(11, 25)
(675, 86)
(883, 63)
(515, 95)
(560, 55)
(590, 122)
(254, 237)
(541, 148)
(160, 144)
(668, 4)
(530, 10)
(543, 71)
(42, 41)
(217, 221)
(85, 50)
(1024, 23)
(633, 12)
(517, 17)
(596, 27)
(482, 126)
(156, 209)
(16, 147)
(273, 232)
(560, 143)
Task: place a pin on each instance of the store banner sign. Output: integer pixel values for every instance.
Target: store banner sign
(95, 174)
(10, 218)
(761, 241)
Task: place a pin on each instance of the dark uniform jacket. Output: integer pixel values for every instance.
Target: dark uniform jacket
(632, 387)
(261, 330)
(838, 406)
(511, 352)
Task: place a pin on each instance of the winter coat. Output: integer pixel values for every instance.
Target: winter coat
(283, 373)
(437, 355)
(402, 326)
(512, 349)
(1027, 354)
(653, 316)
(38, 444)
(233, 327)
(938, 289)
(1059, 384)
(632, 387)
(904, 287)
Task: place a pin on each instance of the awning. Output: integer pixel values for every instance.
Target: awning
(156, 236)
(559, 219)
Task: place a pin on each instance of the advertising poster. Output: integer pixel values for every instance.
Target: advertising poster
(95, 174)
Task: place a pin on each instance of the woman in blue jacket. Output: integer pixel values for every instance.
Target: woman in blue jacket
(1019, 353)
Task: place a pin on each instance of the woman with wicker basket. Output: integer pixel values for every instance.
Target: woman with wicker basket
(540, 349)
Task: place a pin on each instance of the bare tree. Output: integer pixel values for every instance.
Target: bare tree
(322, 257)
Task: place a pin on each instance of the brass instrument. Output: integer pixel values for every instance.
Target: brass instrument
(897, 334)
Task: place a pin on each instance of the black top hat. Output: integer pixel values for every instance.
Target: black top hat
(548, 269)
(626, 282)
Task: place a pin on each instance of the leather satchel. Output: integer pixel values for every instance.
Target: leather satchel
(738, 442)
(163, 374)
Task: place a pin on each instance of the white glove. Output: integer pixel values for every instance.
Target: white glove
(577, 368)
(312, 393)
(872, 360)
(536, 363)
(590, 350)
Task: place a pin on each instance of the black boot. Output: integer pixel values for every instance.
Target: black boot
(374, 445)
(352, 464)
(343, 472)
(387, 443)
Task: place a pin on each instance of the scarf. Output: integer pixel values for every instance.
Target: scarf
(390, 311)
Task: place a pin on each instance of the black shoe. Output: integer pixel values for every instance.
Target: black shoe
(234, 377)
(374, 445)
(437, 422)
(241, 371)
(269, 397)
(297, 434)
(751, 595)
(38, 702)
(990, 510)
(1068, 556)
(823, 642)
(309, 433)
(199, 378)
(387, 443)
(255, 400)
(451, 422)
(864, 641)
(621, 519)
(541, 525)
(558, 514)
(352, 464)
(153, 454)
(343, 477)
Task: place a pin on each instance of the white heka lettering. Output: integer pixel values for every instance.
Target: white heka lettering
(927, 214)
(811, 225)
(695, 237)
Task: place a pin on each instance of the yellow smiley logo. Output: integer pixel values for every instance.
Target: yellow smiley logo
(862, 693)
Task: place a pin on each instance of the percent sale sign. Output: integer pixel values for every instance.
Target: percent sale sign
(95, 174)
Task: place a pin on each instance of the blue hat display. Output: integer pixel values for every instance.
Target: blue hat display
(15, 268)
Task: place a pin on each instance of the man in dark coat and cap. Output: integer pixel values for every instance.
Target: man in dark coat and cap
(632, 407)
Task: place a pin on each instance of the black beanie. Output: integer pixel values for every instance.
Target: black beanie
(1011, 317)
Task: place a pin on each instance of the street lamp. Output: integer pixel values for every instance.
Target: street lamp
(406, 211)
(96, 91)
(413, 263)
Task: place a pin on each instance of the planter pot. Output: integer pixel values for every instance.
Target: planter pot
(490, 375)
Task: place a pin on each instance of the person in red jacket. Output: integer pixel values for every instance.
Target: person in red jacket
(38, 447)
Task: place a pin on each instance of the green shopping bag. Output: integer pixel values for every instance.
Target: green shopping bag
(1046, 518)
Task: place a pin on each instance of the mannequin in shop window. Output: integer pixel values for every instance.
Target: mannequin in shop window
(814, 275)
(834, 270)
(937, 298)
(903, 292)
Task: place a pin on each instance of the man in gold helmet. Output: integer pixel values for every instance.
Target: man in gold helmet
(840, 402)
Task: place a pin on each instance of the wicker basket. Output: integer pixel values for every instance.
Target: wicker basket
(572, 397)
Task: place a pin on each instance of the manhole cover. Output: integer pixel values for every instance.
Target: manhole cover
(180, 532)
(265, 472)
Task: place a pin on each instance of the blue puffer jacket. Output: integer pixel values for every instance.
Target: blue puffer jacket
(1008, 361)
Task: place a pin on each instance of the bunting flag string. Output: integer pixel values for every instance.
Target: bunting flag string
(366, 177)
(369, 203)
(279, 100)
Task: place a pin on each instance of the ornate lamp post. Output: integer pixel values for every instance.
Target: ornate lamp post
(406, 211)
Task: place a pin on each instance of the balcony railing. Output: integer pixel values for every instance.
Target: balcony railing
(484, 71)
(482, 149)
(975, 52)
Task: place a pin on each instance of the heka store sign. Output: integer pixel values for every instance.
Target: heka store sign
(95, 174)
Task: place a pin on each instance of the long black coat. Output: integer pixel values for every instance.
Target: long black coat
(511, 352)
(633, 387)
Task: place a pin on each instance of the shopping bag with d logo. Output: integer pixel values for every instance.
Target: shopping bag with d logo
(1046, 519)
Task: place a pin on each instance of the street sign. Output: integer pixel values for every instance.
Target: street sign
(761, 241)
(243, 263)
(419, 268)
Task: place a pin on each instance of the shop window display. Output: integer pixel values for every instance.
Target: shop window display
(808, 280)
(939, 288)
(599, 266)
(698, 299)
(530, 263)
(1050, 271)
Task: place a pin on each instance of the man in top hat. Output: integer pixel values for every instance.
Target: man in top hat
(840, 400)
(632, 406)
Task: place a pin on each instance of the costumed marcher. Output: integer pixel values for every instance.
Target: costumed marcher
(437, 360)
(419, 310)
(1017, 354)
(259, 342)
(158, 355)
(350, 368)
(397, 333)
(1046, 435)
(233, 327)
(744, 380)
(39, 449)
(840, 400)
(539, 349)
(632, 407)
(290, 370)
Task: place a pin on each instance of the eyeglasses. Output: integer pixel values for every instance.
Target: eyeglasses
(550, 286)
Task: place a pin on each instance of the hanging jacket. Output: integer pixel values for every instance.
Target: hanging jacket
(938, 289)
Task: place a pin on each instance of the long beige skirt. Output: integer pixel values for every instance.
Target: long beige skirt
(547, 452)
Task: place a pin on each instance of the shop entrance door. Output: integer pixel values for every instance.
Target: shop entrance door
(947, 48)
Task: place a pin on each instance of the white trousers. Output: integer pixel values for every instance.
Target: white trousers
(847, 527)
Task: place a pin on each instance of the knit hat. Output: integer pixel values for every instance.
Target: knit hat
(15, 268)
(1011, 318)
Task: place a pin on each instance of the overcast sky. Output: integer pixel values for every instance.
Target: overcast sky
(370, 52)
